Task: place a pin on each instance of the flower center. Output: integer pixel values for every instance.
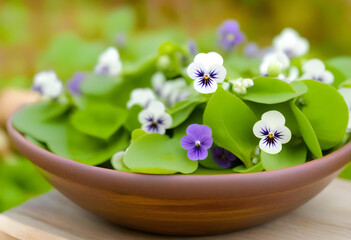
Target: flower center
(153, 126)
(223, 157)
(206, 78)
(230, 37)
(270, 136)
(197, 144)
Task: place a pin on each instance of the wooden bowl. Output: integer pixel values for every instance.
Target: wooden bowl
(184, 204)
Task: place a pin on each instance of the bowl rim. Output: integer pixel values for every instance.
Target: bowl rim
(246, 183)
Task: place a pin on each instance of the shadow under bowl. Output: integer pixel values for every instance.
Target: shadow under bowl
(184, 204)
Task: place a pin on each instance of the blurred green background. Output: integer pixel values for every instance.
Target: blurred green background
(69, 35)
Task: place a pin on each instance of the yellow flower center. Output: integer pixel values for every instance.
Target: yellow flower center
(230, 37)
(270, 136)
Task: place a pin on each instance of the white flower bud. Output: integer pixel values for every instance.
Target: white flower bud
(274, 69)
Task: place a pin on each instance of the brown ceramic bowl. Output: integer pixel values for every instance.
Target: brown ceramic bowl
(184, 204)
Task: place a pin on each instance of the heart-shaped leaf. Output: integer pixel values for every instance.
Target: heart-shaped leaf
(270, 91)
(99, 120)
(231, 121)
(28, 120)
(308, 134)
(158, 154)
(291, 154)
(132, 121)
(206, 171)
(242, 169)
(63, 139)
(181, 111)
(97, 85)
(342, 64)
(327, 112)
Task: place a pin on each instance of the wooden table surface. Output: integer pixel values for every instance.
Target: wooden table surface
(52, 216)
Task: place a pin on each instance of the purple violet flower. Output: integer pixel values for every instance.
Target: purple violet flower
(252, 50)
(73, 84)
(192, 47)
(230, 35)
(197, 141)
(223, 157)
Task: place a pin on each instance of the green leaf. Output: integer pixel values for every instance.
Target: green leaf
(231, 121)
(308, 134)
(132, 121)
(158, 154)
(137, 133)
(342, 64)
(181, 111)
(29, 119)
(327, 112)
(70, 143)
(242, 169)
(96, 85)
(291, 154)
(270, 91)
(346, 84)
(339, 77)
(299, 87)
(64, 140)
(36, 142)
(206, 171)
(100, 120)
(346, 172)
(138, 78)
(194, 118)
(241, 66)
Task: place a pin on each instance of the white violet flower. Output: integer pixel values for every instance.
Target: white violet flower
(109, 63)
(279, 58)
(241, 84)
(154, 119)
(290, 42)
(272, 131)
(157, 81)
(346, 93)
(292, 75)
(48, 84)
(142, 97)
(171, 91)
(206, 70)
(315, 69)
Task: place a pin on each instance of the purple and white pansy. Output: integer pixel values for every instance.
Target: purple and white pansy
(154, 119)
(315, 69)
(272, 131)
(109, 63)
(142, 97)
(206, 71)
(346, 93)
(197, 141)
(291, 43)
(47, 84)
